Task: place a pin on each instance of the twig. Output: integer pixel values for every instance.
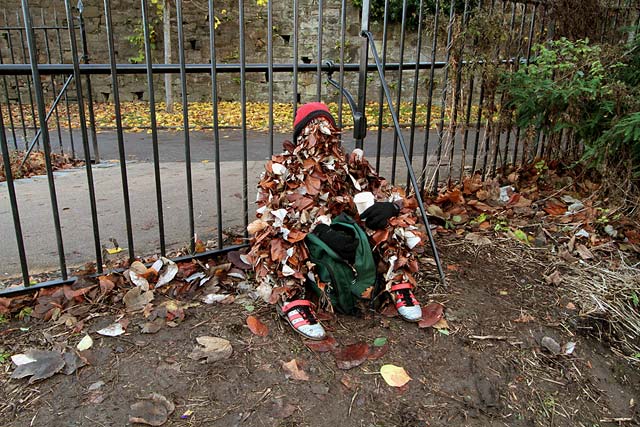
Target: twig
(352, 400)
(489, 337)
(616, 420)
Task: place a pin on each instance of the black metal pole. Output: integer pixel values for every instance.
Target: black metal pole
(403, 147)
(403, 25)
(66, 96)
(216, 135)
(154, 125)
(294, 89)
(414, 97)
(427, 125)
(14, 203)
(443, 103)
(243, 114)
(381, 96)
(364, 59)
(85, 60)
(116, 106)
(85, 139)
(24, 59)
(185, 120)
(53, 80)
(343, 24)
(19, 96)
(37, 86)
(319, 47)
(270, 71)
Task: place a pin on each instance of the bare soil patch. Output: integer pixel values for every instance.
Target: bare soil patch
(490, 370)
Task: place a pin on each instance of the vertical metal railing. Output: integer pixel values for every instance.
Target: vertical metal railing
(39, 95)
(154, 126)
(85, 138)
(119, 131)
(463, 114)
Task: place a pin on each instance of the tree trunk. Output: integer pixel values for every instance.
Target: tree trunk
(166, 27)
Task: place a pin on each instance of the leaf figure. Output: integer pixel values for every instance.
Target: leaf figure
(352, 355)
(395, 376)
(135, 299)
(293, 371)
(378, 352)
(257, 327)
(431, 314)
(44, 364)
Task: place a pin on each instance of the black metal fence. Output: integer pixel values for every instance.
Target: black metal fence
(449, 75)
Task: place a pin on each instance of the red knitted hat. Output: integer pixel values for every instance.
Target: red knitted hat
(310, 111)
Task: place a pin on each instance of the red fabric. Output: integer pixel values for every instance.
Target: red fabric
(297, 303)
(405, 285)
(309, 108)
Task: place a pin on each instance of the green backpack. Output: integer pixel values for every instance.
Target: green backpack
(344, 282)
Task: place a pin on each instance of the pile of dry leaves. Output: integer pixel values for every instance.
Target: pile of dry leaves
(35, 164)
(312, 182)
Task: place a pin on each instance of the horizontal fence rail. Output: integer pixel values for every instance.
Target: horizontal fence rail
(420, 77)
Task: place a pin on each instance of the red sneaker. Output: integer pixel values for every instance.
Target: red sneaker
(406, 303)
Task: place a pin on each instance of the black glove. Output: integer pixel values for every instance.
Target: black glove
(341, 241)
(377, 215)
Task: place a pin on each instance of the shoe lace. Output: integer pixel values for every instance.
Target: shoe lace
(405, 296)
(307, 314)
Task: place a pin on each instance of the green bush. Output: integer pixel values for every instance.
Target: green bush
(588, 91)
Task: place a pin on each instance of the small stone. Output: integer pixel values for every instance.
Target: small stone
(551, 345)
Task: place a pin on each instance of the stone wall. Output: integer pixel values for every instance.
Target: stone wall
(126, 17)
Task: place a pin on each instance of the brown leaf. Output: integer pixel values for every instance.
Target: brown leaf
(554, 207)
(554, 278)
(136, 300)
(294, 371)
(431, 314)
(153, 410)
(213, 349)
(106, 285)
(44, 364)
(378, 351)
(352, 355)
(583, 251)
(524, 318)
(326, 345)
(296, 236)
(257, 327)
(278, 250)
(153, 327)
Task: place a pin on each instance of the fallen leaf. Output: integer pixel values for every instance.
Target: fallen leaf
(153, 326)
(326, 345)
(113, 251)
(167, 273)
(380, 341)
(583, 251)
(85, 343)
(441, 324)
(554, 278)
(378, 352)
(554, 207)
(395, 376)
(112, 330)
(235, 258)
(44, 365)
(524, 318)
(352, 355)
(213, 349)
(135, 299)
(72, 362)
(570, 306)
(293, 371)
(431, 314)
(477, 239)
(257, 327)
(153, 410)
(551, 345)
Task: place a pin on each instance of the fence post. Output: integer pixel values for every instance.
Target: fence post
(364, 59)
(85, 59)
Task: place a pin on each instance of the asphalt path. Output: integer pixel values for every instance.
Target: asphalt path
(75, 214)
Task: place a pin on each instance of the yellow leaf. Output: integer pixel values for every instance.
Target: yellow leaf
(113, 251)
(441, 324)
(395, 376)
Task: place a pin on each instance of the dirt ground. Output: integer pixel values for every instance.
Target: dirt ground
(490, 370)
